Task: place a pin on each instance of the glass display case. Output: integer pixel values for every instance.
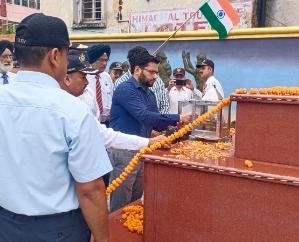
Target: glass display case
(215, 128)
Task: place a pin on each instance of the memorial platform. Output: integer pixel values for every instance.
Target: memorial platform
(205, 200)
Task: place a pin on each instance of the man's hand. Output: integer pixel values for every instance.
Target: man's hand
(189, 84)
(159, 138)
(155, 133)
(186, 118)
(171, 84)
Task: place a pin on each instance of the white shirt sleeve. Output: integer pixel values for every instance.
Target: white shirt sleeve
(87, 162)
(197, 94)
(118, 140)
(211, 82)
(88, 97)
(111, 138)
(107, 94)
(210, 94)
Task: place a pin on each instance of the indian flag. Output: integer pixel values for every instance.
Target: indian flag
(220, 15)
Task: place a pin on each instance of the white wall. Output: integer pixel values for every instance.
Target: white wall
(282, 13)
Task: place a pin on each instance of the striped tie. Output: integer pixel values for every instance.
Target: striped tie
(99, 94)
(5, 78)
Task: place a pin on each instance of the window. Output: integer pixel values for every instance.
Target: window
(89, 14)
(91, 10)
(32, 4)
(25, 3)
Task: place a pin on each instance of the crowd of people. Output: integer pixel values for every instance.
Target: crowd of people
(68, 128)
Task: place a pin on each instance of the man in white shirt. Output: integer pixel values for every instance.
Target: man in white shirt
(6, 62)
(101, 84)
(212, 90)
(89, 98)
(116, 70)
(51, 160)
(179, 91)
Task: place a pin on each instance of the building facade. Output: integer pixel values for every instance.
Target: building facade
(13, 11)
(282, 13)
(124, 16)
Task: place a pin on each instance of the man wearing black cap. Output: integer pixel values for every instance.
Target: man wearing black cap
(116, 70)
(125, 66)
(101, 84)
(6, 62)
(75, 81)
(134, 111)
(51, 159)
(212, 89)
(179, 92)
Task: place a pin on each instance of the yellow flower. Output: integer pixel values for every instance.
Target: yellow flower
(241, 91)
(253, 91)
(132, 217)
(248, 163)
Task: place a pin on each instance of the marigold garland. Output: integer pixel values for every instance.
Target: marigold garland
(278, 90)
(130, 167)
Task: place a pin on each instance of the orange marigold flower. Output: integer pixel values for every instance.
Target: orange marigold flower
(241, 91)
(248, 163)
(263, 91)
(253, 91)
(132, 218)
(109, 189)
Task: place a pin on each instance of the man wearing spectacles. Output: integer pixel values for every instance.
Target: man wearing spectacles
(158, 89)
(6, 62)
(134, 111)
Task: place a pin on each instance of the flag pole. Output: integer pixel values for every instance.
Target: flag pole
(191, 16)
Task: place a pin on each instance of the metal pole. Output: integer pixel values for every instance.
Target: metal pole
(191, 16)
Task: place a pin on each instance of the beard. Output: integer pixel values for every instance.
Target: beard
(144, 81)
(5, 67)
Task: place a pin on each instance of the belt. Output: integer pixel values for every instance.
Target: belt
(21, 217)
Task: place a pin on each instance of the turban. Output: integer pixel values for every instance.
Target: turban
(5, 44)
(96, 51)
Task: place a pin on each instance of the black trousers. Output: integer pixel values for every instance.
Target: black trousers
(63, 227)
